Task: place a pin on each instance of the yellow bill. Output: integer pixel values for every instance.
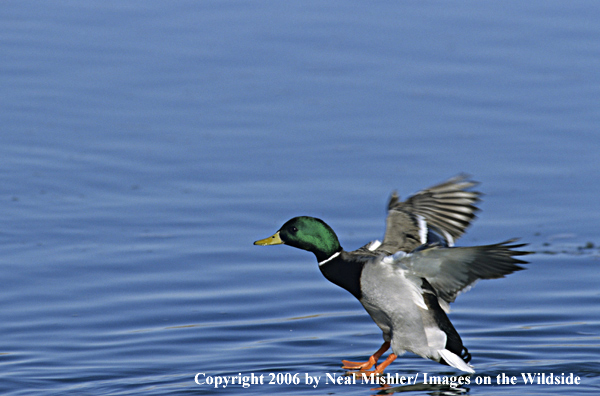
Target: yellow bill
(272, 240)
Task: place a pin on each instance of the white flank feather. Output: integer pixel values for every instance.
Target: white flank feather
(436, 338)
(444, 305)
(393, 258)
(416, 293)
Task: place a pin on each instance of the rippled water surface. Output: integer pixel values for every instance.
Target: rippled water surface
(145, 145)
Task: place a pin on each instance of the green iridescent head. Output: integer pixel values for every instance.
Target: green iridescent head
(307, 233)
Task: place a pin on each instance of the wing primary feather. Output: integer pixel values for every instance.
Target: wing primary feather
(448, 207)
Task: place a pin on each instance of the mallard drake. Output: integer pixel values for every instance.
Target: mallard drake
(407, 282)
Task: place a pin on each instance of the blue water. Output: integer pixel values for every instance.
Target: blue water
(146, 145)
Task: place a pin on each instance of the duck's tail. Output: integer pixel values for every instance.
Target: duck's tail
(459, 362)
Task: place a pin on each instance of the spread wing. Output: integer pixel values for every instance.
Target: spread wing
(446, 209)
(451, 270)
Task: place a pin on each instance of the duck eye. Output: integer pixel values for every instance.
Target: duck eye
(294, 230)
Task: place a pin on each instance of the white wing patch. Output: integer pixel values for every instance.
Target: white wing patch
(422, 229)
(448, 238)
(374, 245)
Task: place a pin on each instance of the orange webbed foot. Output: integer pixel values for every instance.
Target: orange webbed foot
(359, 365)
(362, 366)
(380, 368)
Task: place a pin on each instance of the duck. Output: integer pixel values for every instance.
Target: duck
(407, 281)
